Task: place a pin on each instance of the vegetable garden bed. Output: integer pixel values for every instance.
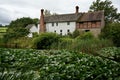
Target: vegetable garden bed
(28, 64)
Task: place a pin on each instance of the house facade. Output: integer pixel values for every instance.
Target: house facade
(67, 23)
(32, 29)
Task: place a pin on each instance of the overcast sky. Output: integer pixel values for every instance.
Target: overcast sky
(13, 9)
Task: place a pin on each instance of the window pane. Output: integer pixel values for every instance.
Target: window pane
(68, 23)
(56, 24)
(52, 24)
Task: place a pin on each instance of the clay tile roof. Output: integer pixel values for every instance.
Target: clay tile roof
(92, 16)
(63, 17)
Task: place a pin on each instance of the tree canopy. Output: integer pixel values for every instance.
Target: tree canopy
(48, 13)
(112, 31)
(110, 11)
(17, 28)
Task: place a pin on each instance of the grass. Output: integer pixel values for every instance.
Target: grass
(90, 46)
(2, 31)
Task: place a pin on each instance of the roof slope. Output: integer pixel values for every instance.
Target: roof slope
(92, 16)
(80, 17)
(30, 26)
(63, 17)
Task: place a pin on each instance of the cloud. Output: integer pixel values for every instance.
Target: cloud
(13, 9)
(4, 16)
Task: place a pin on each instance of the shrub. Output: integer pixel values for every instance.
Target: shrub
(64, 43)
(90, 46)
(74, 34)
(45, 40)
(112, 31)
(86, 35)
(35, 34)
(23, 42)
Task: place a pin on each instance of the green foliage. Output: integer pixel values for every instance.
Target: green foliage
(112, 53)
(45, 40)
(35, 34)
(23, 42)
(110, 11)
(112, 31)
(75, 34)
(16, 29)
(86, 35)
(19, 64)
(21, 22)
(2, 31)
(35, 21)
(90, 46)
(16, 33)
(47, 13)
(64, 43)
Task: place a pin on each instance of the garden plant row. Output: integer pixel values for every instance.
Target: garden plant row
(28, 64)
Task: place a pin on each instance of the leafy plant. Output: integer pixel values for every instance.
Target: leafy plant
(27, 64)
(85, 36)
(45, 40)
(112, 32)
(112, 53)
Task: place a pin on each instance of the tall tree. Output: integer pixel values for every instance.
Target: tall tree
(110, 11)
(47, 13)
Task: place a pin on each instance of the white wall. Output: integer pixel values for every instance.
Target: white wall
(61, 26)
(32, 30)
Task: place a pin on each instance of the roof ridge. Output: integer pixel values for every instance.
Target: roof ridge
(63, 14)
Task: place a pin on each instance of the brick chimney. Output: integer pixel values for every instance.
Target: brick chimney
(42, 25)
(77, 9)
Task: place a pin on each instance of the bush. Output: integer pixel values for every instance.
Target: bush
(86, 35)
(23, 42)
(21, 64)
(90, 46)
(45, 40)
(112, 31)
(35, 34)
(64, 43)
(74, 34)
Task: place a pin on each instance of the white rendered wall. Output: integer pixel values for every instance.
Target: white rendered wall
(61, 26)
(32, 30)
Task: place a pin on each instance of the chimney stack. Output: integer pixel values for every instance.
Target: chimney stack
(77, 9)
(42, 25)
